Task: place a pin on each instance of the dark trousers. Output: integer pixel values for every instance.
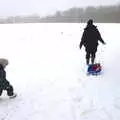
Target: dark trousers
(5, 85)
(91, 53)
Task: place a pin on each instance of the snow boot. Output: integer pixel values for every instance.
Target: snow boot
(13, 96)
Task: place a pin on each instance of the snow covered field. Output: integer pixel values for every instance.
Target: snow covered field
(47, 70)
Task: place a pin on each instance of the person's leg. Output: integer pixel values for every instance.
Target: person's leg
(92, 57)
(10, 90)
(1, 91)
(1, 87)
(93, 54)
(87, 57)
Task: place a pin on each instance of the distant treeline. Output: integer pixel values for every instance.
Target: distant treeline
(100, 14)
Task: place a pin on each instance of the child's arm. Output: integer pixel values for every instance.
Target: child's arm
(3, 74)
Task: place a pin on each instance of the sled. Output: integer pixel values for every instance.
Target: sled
(94, 69)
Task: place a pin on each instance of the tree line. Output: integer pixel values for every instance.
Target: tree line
(100, 14)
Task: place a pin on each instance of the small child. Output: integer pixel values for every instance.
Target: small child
(94, 69)
(4, 83)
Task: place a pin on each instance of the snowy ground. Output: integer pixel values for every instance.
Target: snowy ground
(47, 70)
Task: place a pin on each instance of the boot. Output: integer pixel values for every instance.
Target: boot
(13, 96)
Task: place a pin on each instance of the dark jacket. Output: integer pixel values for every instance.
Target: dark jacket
(3, 81)
(2, 73)
(90, 37)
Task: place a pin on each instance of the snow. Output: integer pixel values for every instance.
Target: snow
(48, 73)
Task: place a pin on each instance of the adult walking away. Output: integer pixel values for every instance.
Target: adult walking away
(90, 39)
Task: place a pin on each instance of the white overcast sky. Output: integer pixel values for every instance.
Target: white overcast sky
(44, 7)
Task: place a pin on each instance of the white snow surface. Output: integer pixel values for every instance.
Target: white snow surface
(48, 72)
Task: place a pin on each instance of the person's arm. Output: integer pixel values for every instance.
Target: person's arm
(100, 38)
(82, 40)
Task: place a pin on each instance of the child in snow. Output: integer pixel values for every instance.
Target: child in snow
(4, 84)
(90, 39)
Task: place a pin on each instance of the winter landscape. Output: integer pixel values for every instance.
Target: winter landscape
(48, 72)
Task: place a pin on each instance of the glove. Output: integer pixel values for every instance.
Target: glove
(104, 43)
(80, 46)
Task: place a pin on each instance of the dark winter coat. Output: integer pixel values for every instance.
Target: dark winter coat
(90, 38)
(3, 81)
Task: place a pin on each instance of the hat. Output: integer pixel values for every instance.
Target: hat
(4, 62)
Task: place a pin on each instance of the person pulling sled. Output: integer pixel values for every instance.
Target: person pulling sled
(90, 39)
